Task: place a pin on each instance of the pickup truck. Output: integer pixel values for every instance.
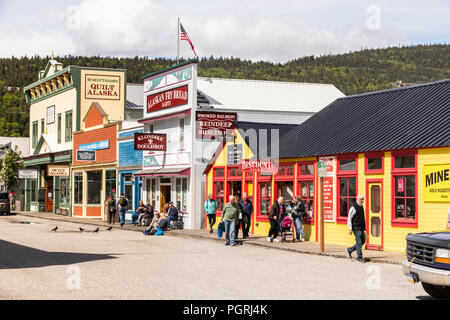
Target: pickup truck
(428, 261)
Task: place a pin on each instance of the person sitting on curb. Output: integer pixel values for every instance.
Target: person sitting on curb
(151, 230)
(172, 214)
(142, 210)
(230, 214)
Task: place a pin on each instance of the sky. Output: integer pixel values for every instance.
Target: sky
(276, 31)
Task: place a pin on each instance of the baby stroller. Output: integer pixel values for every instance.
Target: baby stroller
(286, 227)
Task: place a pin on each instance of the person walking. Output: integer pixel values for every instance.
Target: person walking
(247, 211)
(239, 220)
(298, 211)
(210, 208)
(172, 213)
(122, 205)
(274, 216)
(356, 223)
(230, 214)
(12, 199)
(111, 205)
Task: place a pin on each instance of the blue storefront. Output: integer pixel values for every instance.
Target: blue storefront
(130, 161)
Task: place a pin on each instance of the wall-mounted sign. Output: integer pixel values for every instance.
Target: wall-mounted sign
(150, 141)
(85, 155)
(234, 154)
(102, 87)
(170, 78)
(58, 171)
(436, 182)
(28, 174)
(50, 114)
(152, 159)
(258, 165)
(98, 145)
(167, 99)
(211, 124)
(328, 189)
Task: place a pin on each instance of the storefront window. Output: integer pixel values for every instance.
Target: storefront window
(403, 162)
(151, 191)
(234, 172)
(306, 190)
(218, 172)
(94, 185)
(218, 194)
(33, 190)
(347, 165)
(285, 170)
(404, 180)
(110, 184)
(78, 188)
(375, 163)
(264, 197)
(64, 194)
(307, 169)
(347, 195)
(181, 190)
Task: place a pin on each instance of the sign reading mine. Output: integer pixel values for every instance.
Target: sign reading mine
(167, 99)
(150, 141)
(212, 124)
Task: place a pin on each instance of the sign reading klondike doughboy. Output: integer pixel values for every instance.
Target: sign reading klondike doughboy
(102, 87)
(150, 141)
(436, 182)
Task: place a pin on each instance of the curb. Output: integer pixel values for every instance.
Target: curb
(194, 236)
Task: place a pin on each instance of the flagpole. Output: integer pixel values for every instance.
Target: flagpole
(178, 40)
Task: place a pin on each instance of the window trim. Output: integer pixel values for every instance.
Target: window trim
(214, 173)
(34, 139)
(219, 179)
(66, 137)
(218, 211)
(259, 216)
(233, 178)
(285, 177)
(59, 127)
(347, 157)
(367, 156)
(339, 218)
(404, 172)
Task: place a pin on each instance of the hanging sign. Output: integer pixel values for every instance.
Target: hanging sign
(212, 124)
(328, 188)
(150, 141)
(167, 99)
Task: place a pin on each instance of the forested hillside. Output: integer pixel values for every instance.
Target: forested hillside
(355, 72)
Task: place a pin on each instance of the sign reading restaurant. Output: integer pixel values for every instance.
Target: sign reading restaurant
(58, 171)
(103, 87)
(167, 99)
(150, 141)
(212, 124)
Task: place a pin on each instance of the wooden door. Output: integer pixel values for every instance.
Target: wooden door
(374, 213)
(49, 195)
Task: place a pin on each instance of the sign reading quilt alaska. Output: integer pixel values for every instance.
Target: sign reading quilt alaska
(167, 99)
(150, 141)
(102, 87)
(212, 124)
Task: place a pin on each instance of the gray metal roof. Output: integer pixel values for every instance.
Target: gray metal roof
(402, 118)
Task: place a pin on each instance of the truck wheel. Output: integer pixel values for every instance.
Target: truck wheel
(436, 291)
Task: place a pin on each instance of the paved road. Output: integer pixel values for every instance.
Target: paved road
(36, 263)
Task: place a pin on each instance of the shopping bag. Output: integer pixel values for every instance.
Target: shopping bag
(220, 229)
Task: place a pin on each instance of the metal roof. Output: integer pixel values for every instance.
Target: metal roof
(403, 118)
(241, 94)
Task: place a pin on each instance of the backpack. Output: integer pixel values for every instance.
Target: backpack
(123, 202)
(159, 232)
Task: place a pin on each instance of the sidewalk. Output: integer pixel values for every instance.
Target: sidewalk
(255, 240)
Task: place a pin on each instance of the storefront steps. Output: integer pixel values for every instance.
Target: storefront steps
(306, 247)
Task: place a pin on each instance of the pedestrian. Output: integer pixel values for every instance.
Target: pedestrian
(356, 223)
(111, 205)
(210, 208)
(247, 211)
(239, 220)
(230, 214)
(141, 211)
(122, 206)
(12, 198)
(298, 212)
(172, 214)
(274, 216)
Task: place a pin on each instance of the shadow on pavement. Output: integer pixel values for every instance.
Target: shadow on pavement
(16, 256)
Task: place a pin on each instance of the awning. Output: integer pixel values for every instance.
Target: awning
(184, 171)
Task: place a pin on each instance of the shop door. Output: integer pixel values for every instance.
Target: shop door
(234, 188)
(49, 195)
(164, 198)
(374, 213)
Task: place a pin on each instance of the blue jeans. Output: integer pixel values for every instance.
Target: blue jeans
(360, 240)
(229, 228)
(170, 218)
(122, 212)
(299, 229)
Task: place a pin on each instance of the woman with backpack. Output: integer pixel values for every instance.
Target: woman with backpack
(298, 211)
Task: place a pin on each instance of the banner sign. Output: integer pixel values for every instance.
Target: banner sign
(167, 99)
(28, 174)
(168, 79)
(103, 87)
(258, 165)
(99, 145)
(150, 141)
(51, 114)
(436, 182)
(234, 154)
(328, 189)
(58, 171)
(152, 159)
(211, 124)
(85, 155)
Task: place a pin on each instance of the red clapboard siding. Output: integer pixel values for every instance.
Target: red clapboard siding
(94, 118)
(105, 155)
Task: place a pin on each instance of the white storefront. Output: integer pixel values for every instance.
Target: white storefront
(173, 96)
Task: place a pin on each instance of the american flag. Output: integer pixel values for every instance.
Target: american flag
(184, 36)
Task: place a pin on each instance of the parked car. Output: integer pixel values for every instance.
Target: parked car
(4, 203)
(428, 261)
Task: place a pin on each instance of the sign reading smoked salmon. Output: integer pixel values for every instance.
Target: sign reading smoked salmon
(212, 124)
(150, 141)
(102, 87)
(167, 99)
